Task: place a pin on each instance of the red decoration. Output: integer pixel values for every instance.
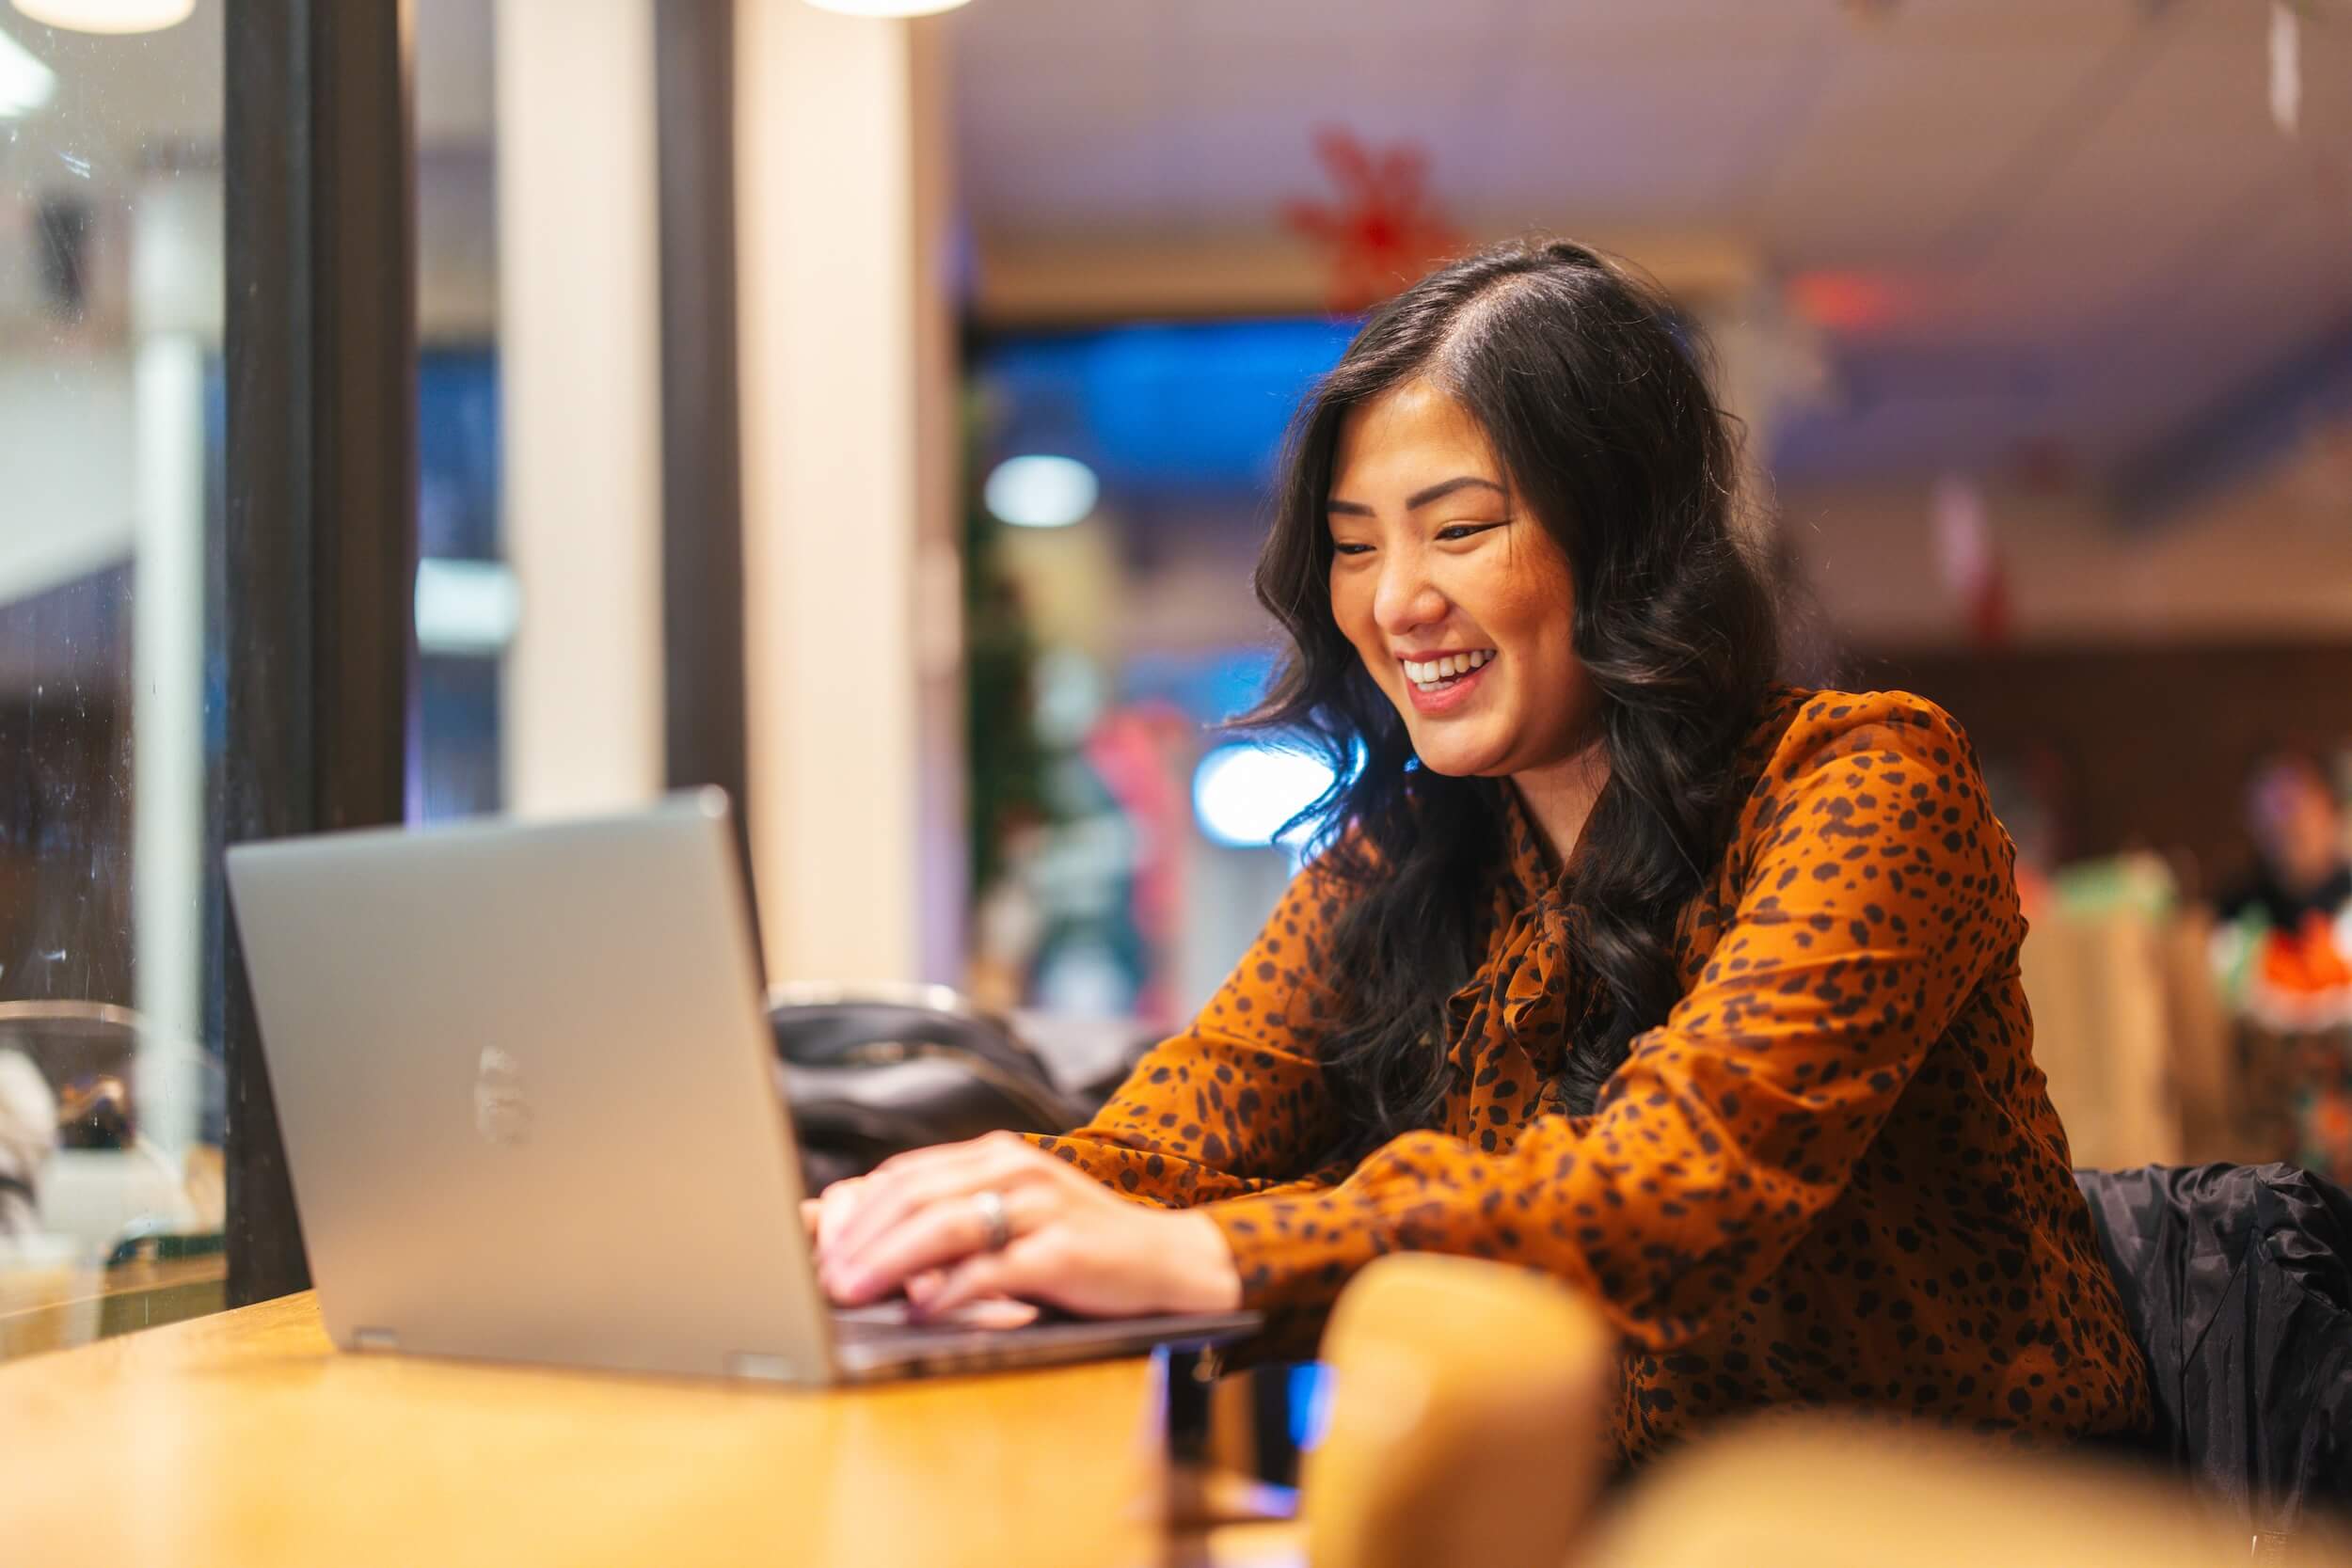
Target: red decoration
(1845, 301)
(1970, 557)
(1383, 231)
(2305, 963)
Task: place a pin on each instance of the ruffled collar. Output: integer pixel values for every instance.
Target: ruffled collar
(1535, 989)
(1532, 988)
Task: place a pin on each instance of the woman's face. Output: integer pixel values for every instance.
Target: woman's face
(2292, 813)
(1458, 601)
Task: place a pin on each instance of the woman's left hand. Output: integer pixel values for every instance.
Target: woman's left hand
(921, 1223)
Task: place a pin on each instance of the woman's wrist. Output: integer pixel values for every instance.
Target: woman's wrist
(1206, 1277)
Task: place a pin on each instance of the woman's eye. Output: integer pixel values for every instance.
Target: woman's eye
(1339, 548)
(1463, 530)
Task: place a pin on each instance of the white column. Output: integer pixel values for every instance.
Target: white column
(176, 309)
(943, 848)
(850, 453)
(580, 379)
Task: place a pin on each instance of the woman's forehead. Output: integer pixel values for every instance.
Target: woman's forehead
(1397, 436)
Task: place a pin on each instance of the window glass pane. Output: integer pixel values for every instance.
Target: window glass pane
(1123, 853)
(469, 606)
(111, 1103)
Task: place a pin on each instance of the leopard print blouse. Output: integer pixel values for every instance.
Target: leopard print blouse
(1832, 1176)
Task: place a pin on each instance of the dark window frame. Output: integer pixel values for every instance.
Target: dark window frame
(704, 704)
(318, 547)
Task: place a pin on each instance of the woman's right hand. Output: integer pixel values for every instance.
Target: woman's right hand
(827, 1217)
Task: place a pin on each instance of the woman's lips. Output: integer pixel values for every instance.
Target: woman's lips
(1448, 698)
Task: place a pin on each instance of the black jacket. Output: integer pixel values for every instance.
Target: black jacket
(2238, 1282)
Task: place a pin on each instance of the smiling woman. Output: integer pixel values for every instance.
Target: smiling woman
(1622, 961)
(1519, 453)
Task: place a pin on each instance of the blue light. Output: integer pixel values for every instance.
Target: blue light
(1310, 1404)
(1244, 792)
(1192, 408)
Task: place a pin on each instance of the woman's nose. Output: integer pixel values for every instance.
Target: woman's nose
(1405, 599)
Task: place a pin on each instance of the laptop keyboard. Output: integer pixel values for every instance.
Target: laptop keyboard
(889, 1320)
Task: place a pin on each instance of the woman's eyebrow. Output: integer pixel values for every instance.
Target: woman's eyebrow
(1419, 499)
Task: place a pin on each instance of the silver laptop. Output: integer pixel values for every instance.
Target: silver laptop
(530, 1108)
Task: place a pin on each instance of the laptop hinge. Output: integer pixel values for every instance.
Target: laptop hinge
(375, 1338)
(775, 1369)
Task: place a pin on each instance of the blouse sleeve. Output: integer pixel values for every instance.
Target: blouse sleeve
(1234, 1104)
(1877, 891)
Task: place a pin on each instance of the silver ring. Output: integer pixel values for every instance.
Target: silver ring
(992, 1208)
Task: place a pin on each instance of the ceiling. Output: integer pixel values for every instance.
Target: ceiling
(2054, 234)
(2059, 236)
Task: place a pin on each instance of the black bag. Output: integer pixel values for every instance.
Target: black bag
(871, 1071)
(2237, 1280)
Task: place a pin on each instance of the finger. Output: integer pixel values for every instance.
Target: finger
(936, 1235)
(885, 1194)
(960, 1170)
(984, 1274)
(925, 1174)
(932, 1237)
(835, 1207)
(988, 1310)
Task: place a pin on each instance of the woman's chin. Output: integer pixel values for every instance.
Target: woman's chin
(1460, 762)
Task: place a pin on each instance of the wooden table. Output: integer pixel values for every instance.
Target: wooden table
(247, 1439)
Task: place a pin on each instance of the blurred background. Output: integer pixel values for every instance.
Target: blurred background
(875, 415)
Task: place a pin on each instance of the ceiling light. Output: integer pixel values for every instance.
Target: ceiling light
(25, 84)
(887, 8)
(467, 608)
(108, 16)
(1040, 492)
(1244, 794)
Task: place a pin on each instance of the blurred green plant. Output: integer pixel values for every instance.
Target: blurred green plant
(1008, 764)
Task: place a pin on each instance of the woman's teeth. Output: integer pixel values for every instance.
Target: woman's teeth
(1437, 673)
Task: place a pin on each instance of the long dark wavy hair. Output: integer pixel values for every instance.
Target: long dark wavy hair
(1594, 397)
